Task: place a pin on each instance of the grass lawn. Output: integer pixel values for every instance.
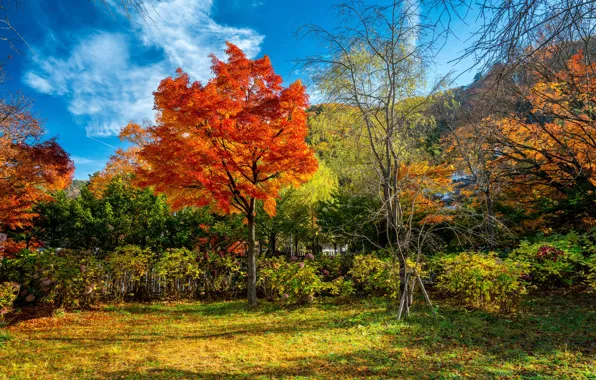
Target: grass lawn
(552, 337)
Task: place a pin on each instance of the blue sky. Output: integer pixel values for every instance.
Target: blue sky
(90, 70)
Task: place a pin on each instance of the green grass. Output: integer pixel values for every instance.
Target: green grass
(551, 337)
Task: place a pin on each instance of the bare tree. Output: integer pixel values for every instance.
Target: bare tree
(130, 7)
(374, 63)
(8, 33)
(468, 140)
(509, 32)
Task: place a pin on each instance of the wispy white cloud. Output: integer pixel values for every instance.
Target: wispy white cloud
(412, 9)
(187, 34)
(86, 165)
(86, 161)
(103, 81)
(103, 88)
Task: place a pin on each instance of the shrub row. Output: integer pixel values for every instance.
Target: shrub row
(496, 283)
(483, 280)
(78, 278)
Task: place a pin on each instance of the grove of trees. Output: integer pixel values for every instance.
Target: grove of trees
(389, 186)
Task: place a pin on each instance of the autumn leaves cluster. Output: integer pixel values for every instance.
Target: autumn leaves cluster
(526, 142)
(239, 137)
(30, 166)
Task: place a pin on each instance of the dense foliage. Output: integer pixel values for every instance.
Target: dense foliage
(30, 165)
(483, 280)
(493, 199)
(74, 278)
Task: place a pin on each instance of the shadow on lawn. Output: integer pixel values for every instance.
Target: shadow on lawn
(350, 318)
(226, 308)
(208, 308)
(358, 364)
(354, 365)
(27, 313)
(544, 325)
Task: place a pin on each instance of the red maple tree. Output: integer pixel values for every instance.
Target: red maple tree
(29, 165)
(229, 143)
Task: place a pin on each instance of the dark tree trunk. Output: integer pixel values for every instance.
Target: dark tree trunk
(403, 279)
(490, 213)
(252, 265)
(272, 244)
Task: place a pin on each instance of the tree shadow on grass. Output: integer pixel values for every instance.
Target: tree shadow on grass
(368, 363)
(227, 308)
(27, 313)
(543, 326)
(460, 342)
(236, 329)
(200, 308)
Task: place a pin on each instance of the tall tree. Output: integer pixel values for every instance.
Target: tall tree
(29, 165)
(548, 148)
(375, 65)
(229, 143)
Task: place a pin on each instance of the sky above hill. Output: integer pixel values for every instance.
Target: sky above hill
(90, 70)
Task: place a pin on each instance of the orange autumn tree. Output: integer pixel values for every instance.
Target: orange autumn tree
(551, 150)
(229, 143)
(29, 166)
(121, 164)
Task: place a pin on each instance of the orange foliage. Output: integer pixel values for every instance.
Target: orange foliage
(555, 147)
(123, 163)
(11, 247)
(29, 167)
(237, 139)
(120, 165)
(419, 184)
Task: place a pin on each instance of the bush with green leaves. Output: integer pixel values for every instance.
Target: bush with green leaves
(483, 281)
(290, 282)
(76, 278)
(223, 275)
(591, 277)
(179, 270)
(341, 287)
(332, 267)
(65, 278)
(127, 267)
(589, 246)
(269, 281)
(556, 261)
(373, 275)
(8, 294)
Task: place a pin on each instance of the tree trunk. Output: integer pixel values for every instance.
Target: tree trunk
(252, 265)
(272, 245)
(314, 238)
(403, 283)
(490, 218)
